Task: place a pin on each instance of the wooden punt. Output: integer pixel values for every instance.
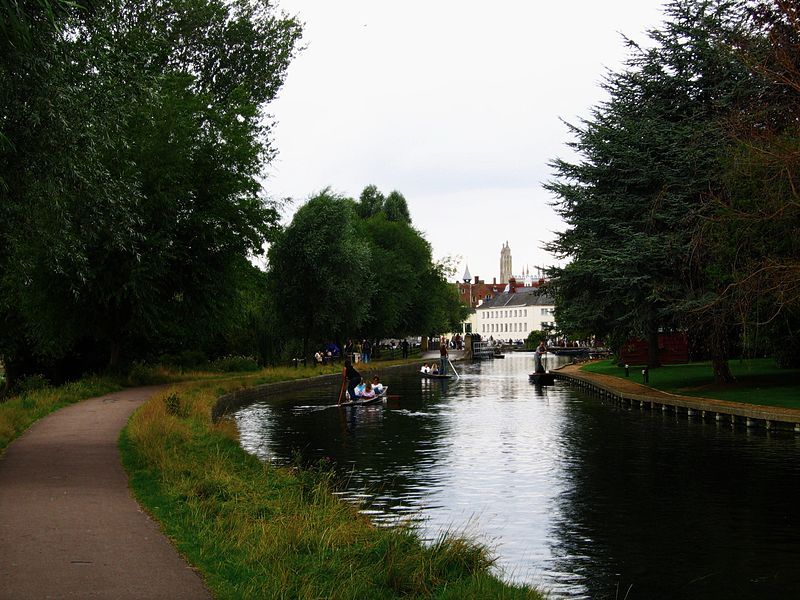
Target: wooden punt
(542, 378)
(435, 376)
(365, 401)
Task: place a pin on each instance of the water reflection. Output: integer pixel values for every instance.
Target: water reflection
(581, 498)
(675, 508)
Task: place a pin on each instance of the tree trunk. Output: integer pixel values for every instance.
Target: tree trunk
(722, 371)
(653, 358)
(113, 356)
(720, 346)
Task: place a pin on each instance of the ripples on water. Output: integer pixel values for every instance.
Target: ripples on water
(580, 498)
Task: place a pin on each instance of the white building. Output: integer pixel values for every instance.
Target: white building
(513, 315)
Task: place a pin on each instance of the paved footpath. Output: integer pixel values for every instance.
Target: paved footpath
(69, 527)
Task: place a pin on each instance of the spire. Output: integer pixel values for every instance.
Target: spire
(505, 263)
(467, 277)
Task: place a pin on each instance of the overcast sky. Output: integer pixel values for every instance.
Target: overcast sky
(455, 103)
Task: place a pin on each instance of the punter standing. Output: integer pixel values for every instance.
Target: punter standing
(352, 377)
(442, 355)
(537, 357)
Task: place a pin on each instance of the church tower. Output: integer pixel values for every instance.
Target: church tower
(505, 263)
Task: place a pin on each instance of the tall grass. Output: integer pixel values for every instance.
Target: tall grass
(17, 413)
(259, 531)
(36, 399)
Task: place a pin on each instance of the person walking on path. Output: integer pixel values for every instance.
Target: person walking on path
(366, 351)
(69, 527)
(404, 346)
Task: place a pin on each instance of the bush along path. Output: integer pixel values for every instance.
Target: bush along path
(69, 527)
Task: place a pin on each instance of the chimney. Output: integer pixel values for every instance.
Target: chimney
(494, 280)
(512, 285)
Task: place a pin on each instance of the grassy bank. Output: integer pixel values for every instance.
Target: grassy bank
(758, 381)
(37, 399)
(19, 412)
(259, 531)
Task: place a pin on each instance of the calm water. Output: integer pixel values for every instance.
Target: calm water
(578, 497)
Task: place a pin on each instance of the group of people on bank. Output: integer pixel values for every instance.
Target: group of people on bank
(356, 351)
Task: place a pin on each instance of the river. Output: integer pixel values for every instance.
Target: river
(580, 498)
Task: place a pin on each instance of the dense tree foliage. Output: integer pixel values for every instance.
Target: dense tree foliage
(668, 209)
(346, 269)
(133, 140)
(410, 294)
(319, 272)
(752, 225)
(393, 207)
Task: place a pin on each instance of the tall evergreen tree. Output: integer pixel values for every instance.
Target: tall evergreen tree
(651, 155)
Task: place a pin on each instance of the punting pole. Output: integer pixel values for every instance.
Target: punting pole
(454, 369)
(341, 390)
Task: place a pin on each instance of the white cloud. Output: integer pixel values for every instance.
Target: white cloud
(454, 103)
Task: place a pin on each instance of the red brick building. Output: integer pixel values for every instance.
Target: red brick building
(477, 291)
(673, 348)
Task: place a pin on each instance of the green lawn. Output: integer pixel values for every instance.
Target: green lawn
(758, 381)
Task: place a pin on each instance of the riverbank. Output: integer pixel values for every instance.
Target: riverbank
(250, 529)
(757, 381)
(255, 530)
(624, 390)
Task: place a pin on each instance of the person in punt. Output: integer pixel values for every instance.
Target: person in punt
(368, 392)
(425, 368)
(360, 389)
(377, 385)
(434, 369)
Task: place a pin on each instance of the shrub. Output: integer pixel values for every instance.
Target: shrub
(31, 383)
(533, 339)
(175, 407)
(230, 364)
